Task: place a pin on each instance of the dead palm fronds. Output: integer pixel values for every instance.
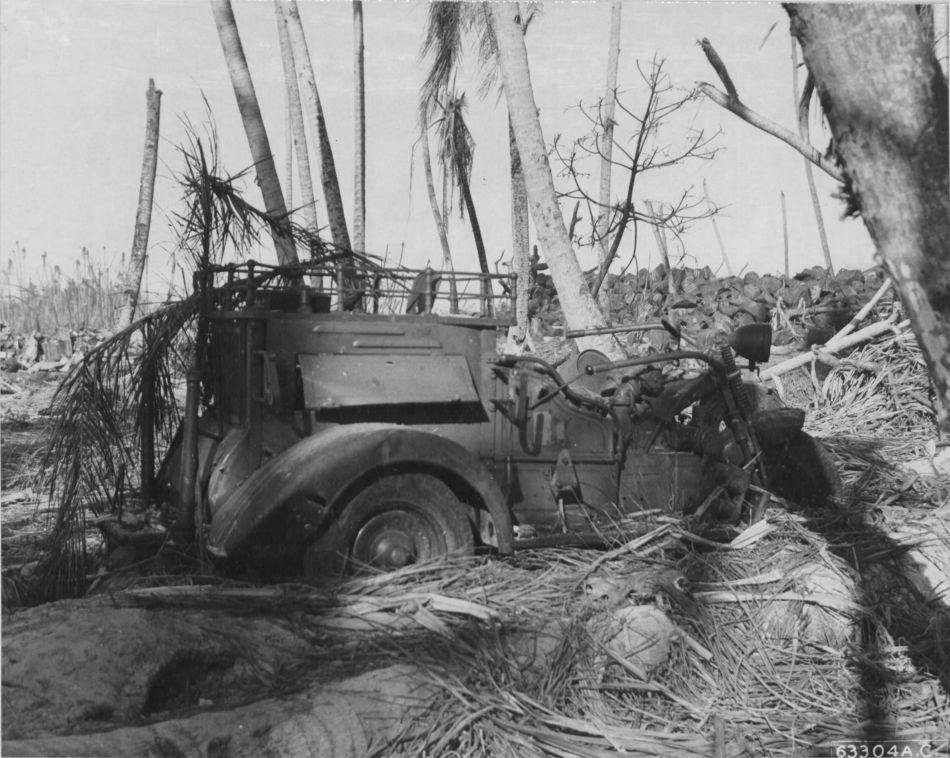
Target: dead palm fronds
(116, 412)
(216, 220)
(119, 392)
(781, 637)
(219, 224)
(447, 27)
(535, 681)
(117, 406)
(880, 386)
(456, 155)
(450, 27)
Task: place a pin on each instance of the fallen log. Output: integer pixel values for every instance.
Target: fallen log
(863, 313)
(835, 345)
(829, 360)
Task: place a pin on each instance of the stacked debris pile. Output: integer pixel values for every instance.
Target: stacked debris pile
(55, 351)
(806, 309)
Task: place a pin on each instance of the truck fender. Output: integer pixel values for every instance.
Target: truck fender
(328, 465)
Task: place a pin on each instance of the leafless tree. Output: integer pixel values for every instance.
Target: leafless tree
(634, 142)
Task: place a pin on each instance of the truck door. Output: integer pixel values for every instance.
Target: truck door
(554, 457)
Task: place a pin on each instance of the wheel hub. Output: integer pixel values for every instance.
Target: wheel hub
(397, 538)
(392, 549)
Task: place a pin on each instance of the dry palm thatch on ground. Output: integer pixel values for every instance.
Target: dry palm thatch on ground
(818, 632)
(776, 644)
(823, 631)
(815, 627)
(882, 390)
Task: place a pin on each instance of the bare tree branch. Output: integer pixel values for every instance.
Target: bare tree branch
(716, 62)
(769, 127)
(635, 150)
(575, 217)
(731, 102)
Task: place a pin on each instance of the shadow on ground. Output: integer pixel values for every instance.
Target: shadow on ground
(907, 618)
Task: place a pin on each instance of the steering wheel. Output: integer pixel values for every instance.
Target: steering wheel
(586, 362)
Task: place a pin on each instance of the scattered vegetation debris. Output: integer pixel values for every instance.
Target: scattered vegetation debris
(835, 616)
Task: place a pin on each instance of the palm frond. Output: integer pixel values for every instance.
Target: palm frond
(456, 146)
(443, 43)
(124, 389)
(487, 56)
(449, 27)
(216, 219)
(100, 413)
(218, 223)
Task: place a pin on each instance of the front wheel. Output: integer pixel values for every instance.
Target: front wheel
(396, 521)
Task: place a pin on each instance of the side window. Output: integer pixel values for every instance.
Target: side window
(228, 345)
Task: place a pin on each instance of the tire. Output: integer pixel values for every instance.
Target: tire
(801, 470)
(396, 521)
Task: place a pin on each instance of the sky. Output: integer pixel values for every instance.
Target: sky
(73, 77)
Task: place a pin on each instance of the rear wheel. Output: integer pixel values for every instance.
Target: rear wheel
(802, 471)
(396, 521)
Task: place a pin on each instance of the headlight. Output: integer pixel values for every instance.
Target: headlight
(753, 342)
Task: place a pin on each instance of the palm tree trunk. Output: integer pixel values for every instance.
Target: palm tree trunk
(809, 171)
(715, 226)
(331, 186)
(663, 248)
(473, 220)
(359, 111)
(477, 235)
(579, 308)
(437, 216)
(309, 204)
(519, 236)
(143, 217)
(610, 104)
(254, 128)
(885, 98)
(289, 157)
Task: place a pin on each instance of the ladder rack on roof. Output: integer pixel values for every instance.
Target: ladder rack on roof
(323, 288)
